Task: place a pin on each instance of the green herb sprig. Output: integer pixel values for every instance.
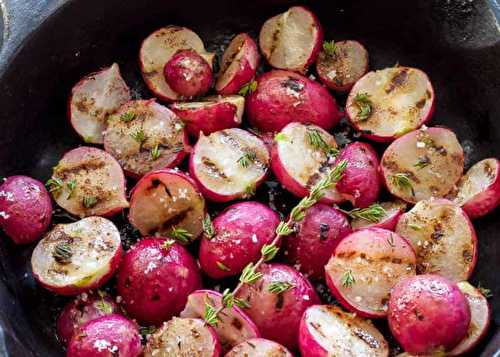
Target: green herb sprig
(402, 181)
(364, 105)
(155, 152)
(248, 88)
(181, 235)
(348, 279)
(208, 227)
(247, 159)
(372, 214)
(279, 287)
(330, 48)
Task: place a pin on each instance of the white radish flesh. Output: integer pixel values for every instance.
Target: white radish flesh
(258, 347)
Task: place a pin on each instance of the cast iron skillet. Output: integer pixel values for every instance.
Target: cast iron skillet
(49, 44)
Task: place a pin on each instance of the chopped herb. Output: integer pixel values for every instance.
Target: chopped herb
(155, 152)
(317, 142)
(280, 137)
(364, 104)
(402, 181)
(390, 240)
(250, 190)
(210, 315)
(415, 227)
(208, 226)
(422, 162)
(348, 279)
(278, 287)
(249, 275)
(145, 331)
(62, 253)
(168, 243)
(284, 229)
(54, 184)
(181, 235)
(104, 306)
(486, 292)
(88, 139)
(248, 158)
(248, 88)
(330, 48)
(139, 136)
(373, 214)
(221, 266)
(89, 201)
(71, 187)
(333, 152)
(128, 116)
(269, 251)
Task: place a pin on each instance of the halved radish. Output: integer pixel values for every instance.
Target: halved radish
(234, 325)
(212, 114)
(291, 40)
(341, 64)
(365, 266)
(166, 201)
(183, 337)
(94, 98)
(443, 238)
(229, 164)
(88, 182)
(385, 104)
(479, 189)
(238, 66)
(145, 136)
(480, 317)
(301, 156)
(258, 347)
(158, 48)
(76, 257)
(423, 164)
(393, 210)
(327, 330)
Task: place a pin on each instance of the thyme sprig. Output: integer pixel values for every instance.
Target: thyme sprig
(373, 213)
(364, 105)
(248, 88)
(181, 235)
(330, 48)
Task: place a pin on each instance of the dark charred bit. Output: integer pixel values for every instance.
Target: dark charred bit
(366, 132)
(293, 84)
(323, 231)
(195, 333)
(438, 232)
(317, 327)
(398, 80)
(212, 167)
(346, 254)
(251, 344)
(384, 301)
(237, 324)
(154, 184)
(467, 254)
(280, 301)
(418, 315)
(371, 341)
(488, 171)
(421, 103)
(173, 221)
(275, 39)
(155, 297)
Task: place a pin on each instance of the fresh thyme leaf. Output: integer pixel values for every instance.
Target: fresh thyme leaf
(415, 227)
(241, 303)
(128, 116)
(54, 184)
(144, 331)
(104, 306)
(348, 279)
(181, 235)
(210, 315)
(278, 287)
(250, 190)
(227, 299)
(247, 159)
(269, 251)
(364, 105)
(71, 187)
(317, 142)
(373, 214)
(330, 48)
(221, 266)
(333, 152)
(284, 229)
(402, 181)
(280, 137)
(248, 88)
(168, 243)
(486, 292)
(139, 136)
(249, 275)
(422, 162)
(208, 227)
(62, 253)
(155, 152)
(89, 201)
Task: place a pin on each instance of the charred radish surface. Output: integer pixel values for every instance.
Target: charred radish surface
(390, 213)
(259, 347)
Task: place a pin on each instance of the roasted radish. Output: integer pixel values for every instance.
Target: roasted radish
(93, 99)
(341, 64)
(76, 257)
(315, 237)
(365, 266)
(282, 97)
(277, 302)
(239, 233)
(183, 337)
(327, 330)
(258, 347)
(238, 66)
(479, 189)
(88, 182)
(423, 164)
(155, 279)
(167, 202)
(145, 136)
(385, 104)
(443, 238)
(25, 209)
(291, 40)
(229, 164)
(158, 48)
(212, 114)
(428, 313)
(390, 213)
(233, 326)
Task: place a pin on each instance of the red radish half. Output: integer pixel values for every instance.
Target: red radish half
(423, 164)
(479, 189)
(443, 238)
(238, 66)
(388, 103)
(94, 98)
(291, 40)
(145, 136)
(229, 164)
(211, 114)
(327, 330)
(76, 257)
(299, 162)
(393, 210)
(158, 48)
(89, 182)
(365, 266)
(341, 64)
(165, 200)
(258, 347)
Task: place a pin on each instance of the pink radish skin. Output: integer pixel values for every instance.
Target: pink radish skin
(95, 252)
(155, 279)
(360, 182)
(431, 159)
(443, 237)
(99, 183)
(401, 100)
(212, 114)
(375, 259)
(93, 99)
(283, 97)
(479, 189)
(238, 66)
(234, 325)
(259, 347)
(215, 164)
(316, 236)
(240, 232)
(162, 129)
(25, 209)
(340, 71)
(85, 307)
(393, 210)
(327, 330)
(428, 312)
(111, 335)
(183, 337)
(166, 199)
(278, 314)
(188, 74)
(291, 40)
(298, 165)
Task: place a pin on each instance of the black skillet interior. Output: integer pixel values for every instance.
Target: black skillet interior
(455, 42)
